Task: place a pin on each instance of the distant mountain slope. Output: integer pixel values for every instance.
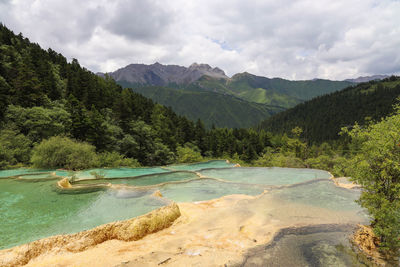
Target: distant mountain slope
(364, 79)
(322, 118)
(275, 91)
(212, 108)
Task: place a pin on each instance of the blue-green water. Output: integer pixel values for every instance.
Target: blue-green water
(201, 165)
(205, 189)
(266, 176)
(20, 171)
(146, 180)
(117, 173)
(32, 207)
(320, 194)
(33, 210)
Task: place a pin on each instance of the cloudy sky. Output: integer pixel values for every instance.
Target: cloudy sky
(295, 39)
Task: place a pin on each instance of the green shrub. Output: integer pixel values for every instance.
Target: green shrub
(63, 152)
(114, 159)
(188, 154)
(288, 160)
(322, 162)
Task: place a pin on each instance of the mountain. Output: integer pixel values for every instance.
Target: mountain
(323, 117)
(216, 109)
(163, 75)
(363, 79)
(222, 95)
(202, 77)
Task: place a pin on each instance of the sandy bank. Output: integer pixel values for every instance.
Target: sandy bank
(208, 233)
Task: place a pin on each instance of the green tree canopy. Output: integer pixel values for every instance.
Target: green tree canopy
(376, 167)
(63, 152)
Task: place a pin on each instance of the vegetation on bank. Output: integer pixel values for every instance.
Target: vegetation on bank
(375, 165)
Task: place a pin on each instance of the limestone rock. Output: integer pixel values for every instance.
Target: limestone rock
(64, 183)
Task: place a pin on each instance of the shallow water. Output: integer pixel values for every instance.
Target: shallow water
(147, 179)
(322, 194)
(20, 171)
(32, 207)
(201, 165)
(117, 172)
(33, 210)
(266, 176)
(205, 189)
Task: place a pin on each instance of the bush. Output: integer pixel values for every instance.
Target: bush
(188, 154)
(63, 152)
(114, 159)
(322, 162)
(279, 160)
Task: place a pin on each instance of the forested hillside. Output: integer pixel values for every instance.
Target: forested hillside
(322, 117)
(242, 84)
(43, 96)
(217, 109)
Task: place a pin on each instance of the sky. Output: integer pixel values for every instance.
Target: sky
(292, 39)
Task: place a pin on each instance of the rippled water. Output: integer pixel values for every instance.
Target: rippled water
(32, 207)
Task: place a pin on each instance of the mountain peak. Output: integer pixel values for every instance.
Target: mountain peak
(200, 66)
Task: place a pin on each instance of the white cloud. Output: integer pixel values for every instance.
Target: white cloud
(299, 39)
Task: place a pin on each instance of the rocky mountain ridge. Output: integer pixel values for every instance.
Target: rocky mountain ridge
(162, 75)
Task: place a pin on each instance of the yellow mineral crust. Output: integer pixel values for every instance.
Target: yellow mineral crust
(157, 194)
(64, 183)
(365, 239)
(128, 230)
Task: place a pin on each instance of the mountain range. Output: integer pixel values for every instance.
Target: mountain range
(203, 92)
(163, 75)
